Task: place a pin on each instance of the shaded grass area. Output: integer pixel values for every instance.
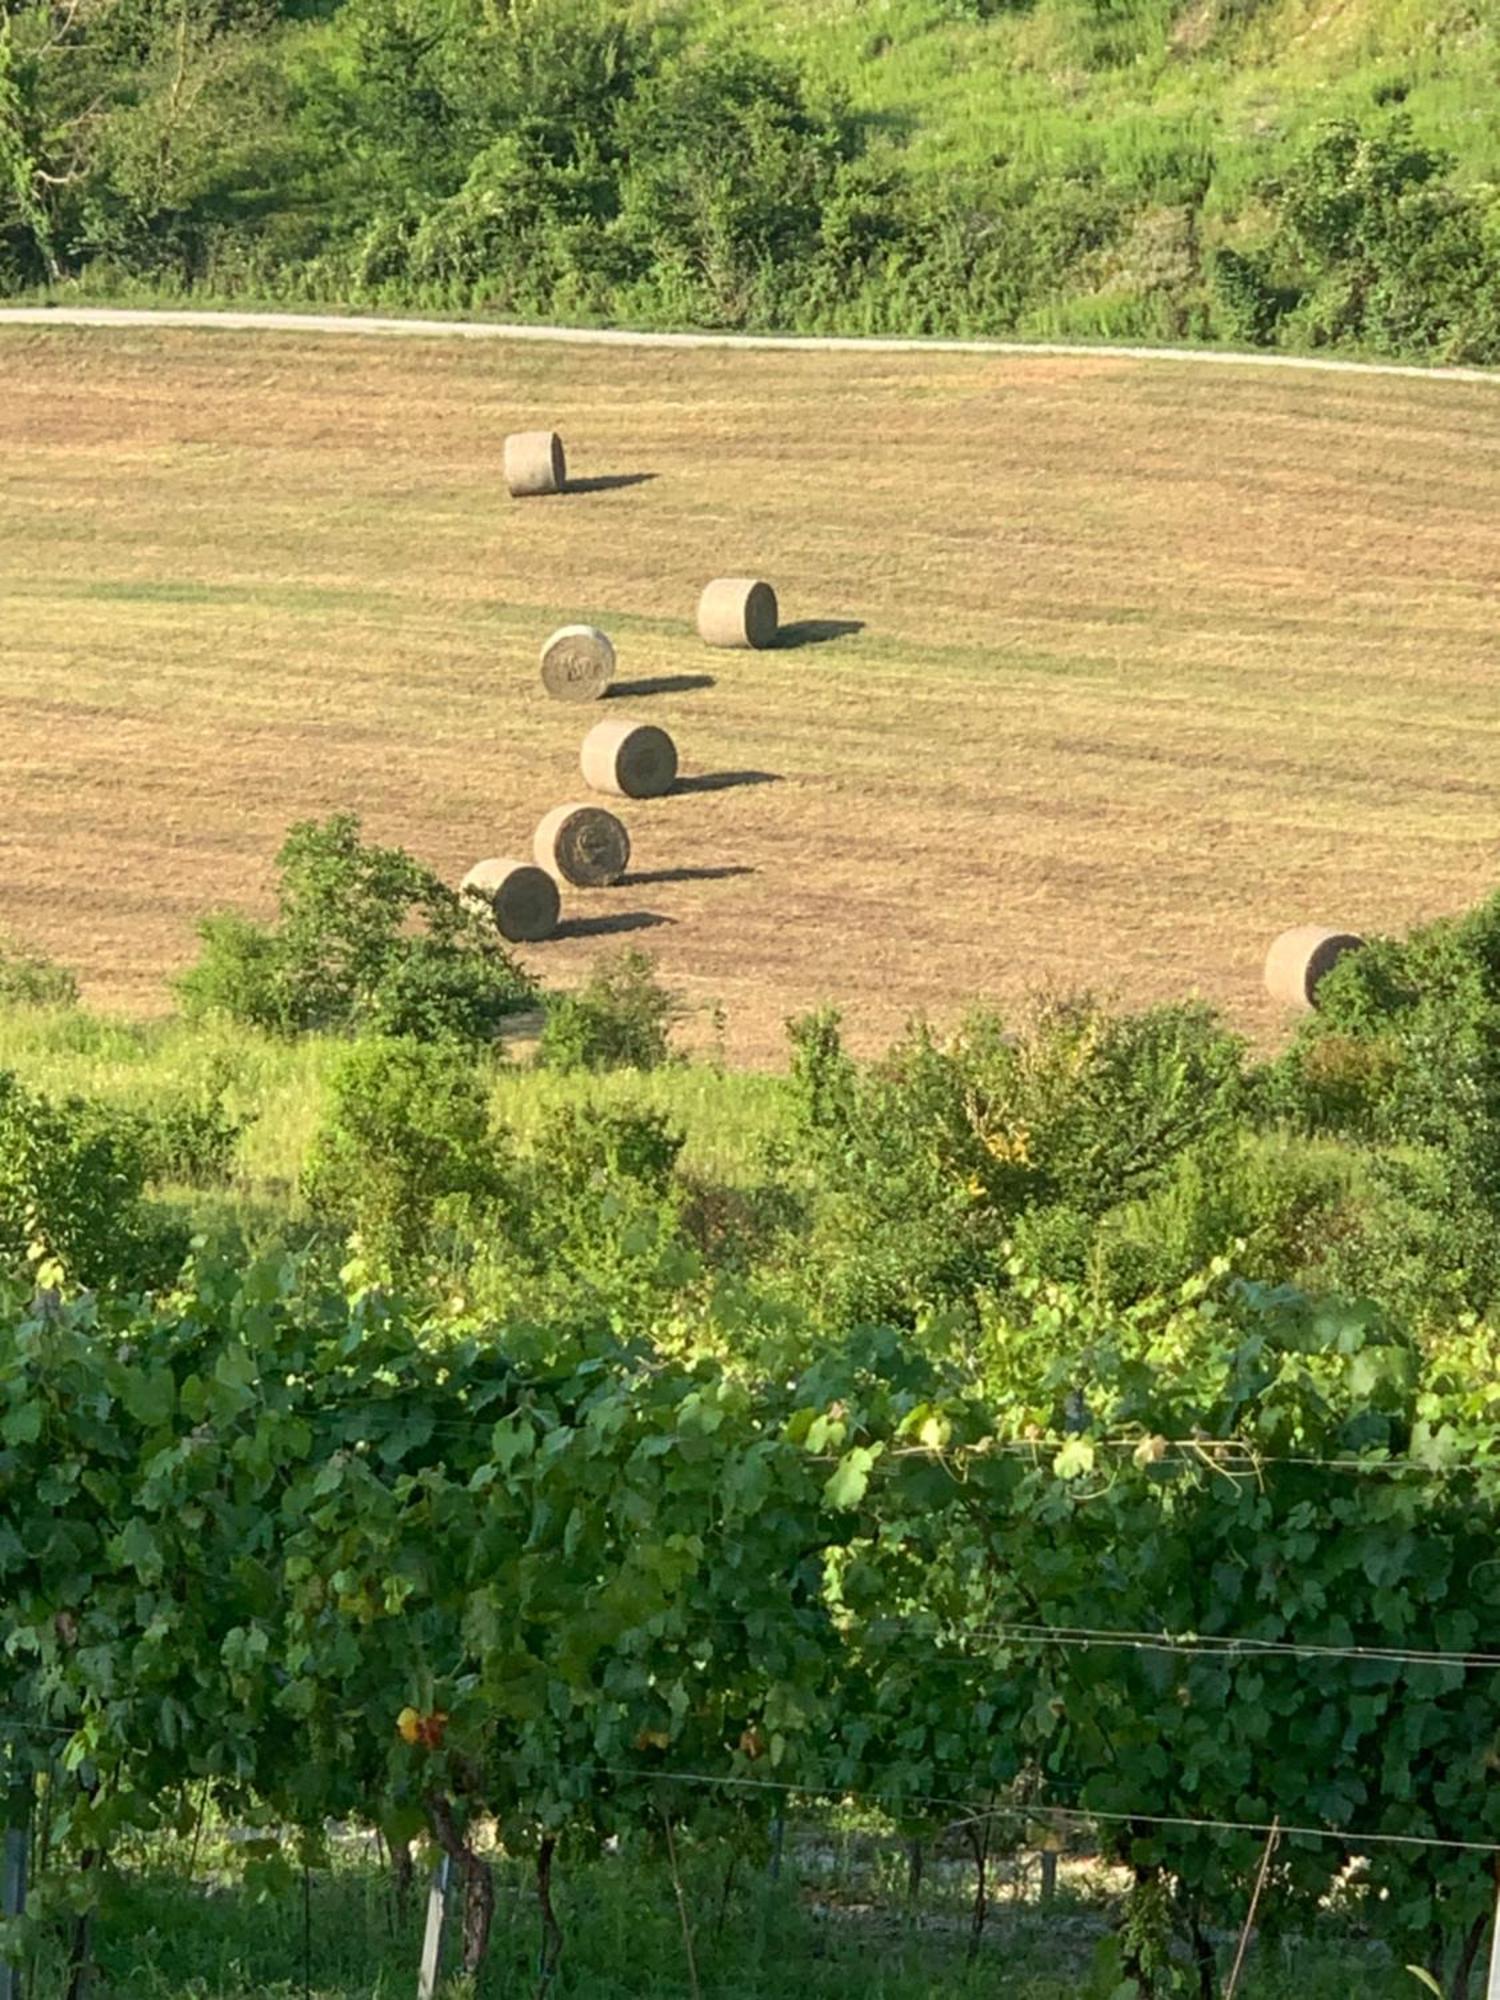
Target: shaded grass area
(836, 1922)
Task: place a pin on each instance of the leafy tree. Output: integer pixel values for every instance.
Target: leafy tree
(366, 939)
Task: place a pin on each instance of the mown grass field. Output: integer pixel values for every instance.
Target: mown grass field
(1151, 659)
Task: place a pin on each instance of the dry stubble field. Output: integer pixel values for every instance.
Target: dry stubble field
(1154, 659)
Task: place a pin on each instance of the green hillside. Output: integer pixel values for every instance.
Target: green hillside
(1299, 173)
(1141, 83)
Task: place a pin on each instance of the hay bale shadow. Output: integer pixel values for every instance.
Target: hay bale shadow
(722, 874)
(626, 920)
(659, 684)
(815, 632)
(726, 781)
(609, 482)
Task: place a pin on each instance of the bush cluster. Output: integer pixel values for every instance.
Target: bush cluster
(29, 979)
(366, 940)
(573, 159)
(620, 1018)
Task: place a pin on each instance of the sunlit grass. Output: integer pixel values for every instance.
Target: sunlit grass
(726, 1117)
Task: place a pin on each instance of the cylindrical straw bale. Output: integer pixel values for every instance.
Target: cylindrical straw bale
(578, 663)
(634, 760)
(584, 845)
(1301, 958)
(534, 463)
(523, 900)
(737, 611)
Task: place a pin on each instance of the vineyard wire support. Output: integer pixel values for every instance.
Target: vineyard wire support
(1492, 1984)
(13, 1856)
(1260, 1883)
(437, 1925)
(682, 1908)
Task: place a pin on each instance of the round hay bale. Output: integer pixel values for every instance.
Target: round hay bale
(523, 900)
(1300, 958)
(534, 463)
(737, 611)
(633, 760)
(584, 845)
(578, 663)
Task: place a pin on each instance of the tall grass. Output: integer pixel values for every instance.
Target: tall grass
(726, 1116)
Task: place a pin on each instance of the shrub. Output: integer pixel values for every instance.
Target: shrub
(601, 1218)
(731, 169)
(924, 1164)
(1382, 249)
(27, 979)
(1403, 1059)
(366, 939)
(1272, 1210)
(406, 1145)
(618, 1019)
(72, 1176)
(1405, 1046)
(191, 1136)
(1248, 306)
(238, 974)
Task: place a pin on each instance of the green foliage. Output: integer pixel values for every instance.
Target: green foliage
(974, 166)
(27, 979)
(1384, 253)
(240, 1533)
(190, 1136)
(599, 1222)
(733, 171)
(928, 1163)
(1271, 1208)
(407, 1136)
(366, 940)
(72, 1177)
(1403, 1056)
(1004, 1471)
(619, 1018)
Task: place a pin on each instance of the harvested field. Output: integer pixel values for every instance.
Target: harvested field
(1155, 661)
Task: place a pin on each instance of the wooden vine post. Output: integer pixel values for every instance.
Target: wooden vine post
(437, 1925)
